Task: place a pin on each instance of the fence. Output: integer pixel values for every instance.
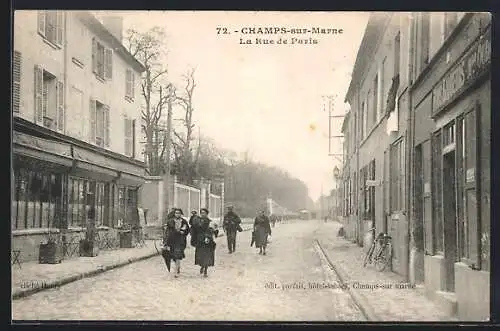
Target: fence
(189, 198)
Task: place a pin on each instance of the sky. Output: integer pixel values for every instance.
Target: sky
(265, 99)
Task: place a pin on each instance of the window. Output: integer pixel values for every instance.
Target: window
(362, 120)
(376, 106)
(129, 84)
(36, 203)
(16, 81)
(99, 123)
(102, 60)
(368, 113)
(49, 100)
(85, 195)
(50, 26)
(381, 90)
(368, 174)
(397, 176)
(129, 137)
(423, 31)
(437, 196)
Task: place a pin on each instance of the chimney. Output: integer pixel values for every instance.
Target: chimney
(114, 24)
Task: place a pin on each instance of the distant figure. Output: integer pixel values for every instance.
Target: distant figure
(272, 219)
(231, 225)
(262, 229)
(326, 219)
(171, 214)
(175, 238)
(204, 255)
(194, 223)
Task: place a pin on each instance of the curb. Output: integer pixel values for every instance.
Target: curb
(63, 281)
(357, 297)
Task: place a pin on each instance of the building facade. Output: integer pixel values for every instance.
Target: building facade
(451, 111)
(425, 179)
(76, 119)
(375, 165)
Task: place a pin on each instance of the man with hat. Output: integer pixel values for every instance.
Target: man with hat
(194, 223)
(231, 225)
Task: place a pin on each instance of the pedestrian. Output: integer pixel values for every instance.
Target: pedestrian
(231, 225)
(171, 214)
(204, 255)
(194, 223)
(175, 238)
(272, 218)
(262, 229)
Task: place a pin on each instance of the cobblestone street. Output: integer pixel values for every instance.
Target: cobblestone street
(235, 289)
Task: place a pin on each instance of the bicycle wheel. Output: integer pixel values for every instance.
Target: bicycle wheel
(384, 258)
(368, 255)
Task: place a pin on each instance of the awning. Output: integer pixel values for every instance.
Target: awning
(43, 150)
(130, 180)
(93, 171)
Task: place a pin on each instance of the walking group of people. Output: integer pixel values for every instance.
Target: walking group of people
(203, 232)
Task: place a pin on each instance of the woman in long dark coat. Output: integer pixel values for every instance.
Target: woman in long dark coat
(204, 255)
(175, 238)
(262, 229)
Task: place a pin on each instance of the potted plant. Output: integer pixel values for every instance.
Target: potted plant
(126, 238)
(49, 250)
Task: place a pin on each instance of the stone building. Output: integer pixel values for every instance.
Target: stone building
(76, 119)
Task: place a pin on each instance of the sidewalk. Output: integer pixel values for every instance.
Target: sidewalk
(33, 277)
(386, 304)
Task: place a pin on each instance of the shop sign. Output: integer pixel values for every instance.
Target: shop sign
(472, 64)
(470, 175)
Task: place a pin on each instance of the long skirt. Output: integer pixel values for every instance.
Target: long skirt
(260, 237)
(204, 256)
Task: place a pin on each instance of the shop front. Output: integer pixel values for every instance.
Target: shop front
(60, 186)
(453, 184)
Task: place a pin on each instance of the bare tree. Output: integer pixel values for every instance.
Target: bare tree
(184, 159)
(148, 47)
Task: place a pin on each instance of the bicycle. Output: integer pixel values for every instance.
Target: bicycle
(383, 252)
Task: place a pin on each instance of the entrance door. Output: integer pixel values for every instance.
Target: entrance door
(449, 218)
(422, 201)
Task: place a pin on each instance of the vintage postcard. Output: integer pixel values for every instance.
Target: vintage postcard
(250, 166)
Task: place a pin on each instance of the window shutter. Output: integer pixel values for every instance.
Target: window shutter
(16, 79)
(106, 126)
(427, 197)
(59, 27)
(128, 136)
(60, 105)
(41, 21)
(471, 189)
(94, 55)
(92, 108)
(132, 85)
(128, 88)
(38, 94)
(108, 63)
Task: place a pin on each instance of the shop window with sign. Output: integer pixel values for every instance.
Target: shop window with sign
(437, 197)
(36, 203)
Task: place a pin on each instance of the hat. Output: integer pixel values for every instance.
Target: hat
(193, 212)
(204, 209)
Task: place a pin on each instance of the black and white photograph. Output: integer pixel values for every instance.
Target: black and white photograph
(258, 166)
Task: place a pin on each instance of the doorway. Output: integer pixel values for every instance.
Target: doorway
(449, 218)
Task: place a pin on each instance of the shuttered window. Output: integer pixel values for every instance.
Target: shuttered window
(102, 60)
(16, 81)
(51, 25)
(129, 84)
(49, 100)
(99, 123)
(129, 136)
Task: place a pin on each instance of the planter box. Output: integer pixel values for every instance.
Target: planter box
(50, 253)
(126, 240)
(89, 248)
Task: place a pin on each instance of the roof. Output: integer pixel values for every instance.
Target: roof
(98, 28)
(374, 29)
